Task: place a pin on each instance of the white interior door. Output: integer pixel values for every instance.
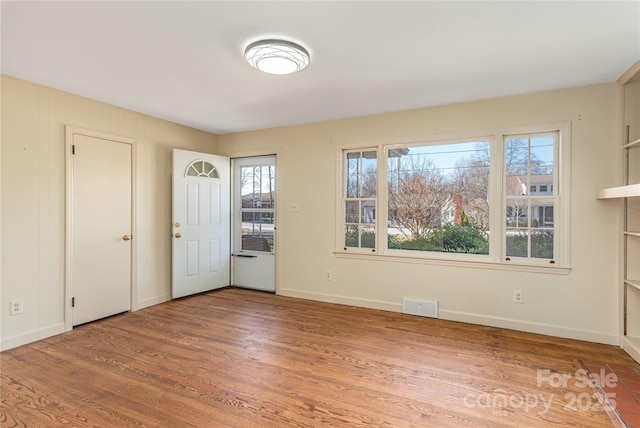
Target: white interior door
(201, 222)
(254, 237)
(101, 225)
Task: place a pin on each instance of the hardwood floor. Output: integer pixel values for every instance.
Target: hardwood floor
(239, 358)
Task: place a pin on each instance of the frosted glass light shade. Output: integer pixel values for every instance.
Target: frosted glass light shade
(277, 56)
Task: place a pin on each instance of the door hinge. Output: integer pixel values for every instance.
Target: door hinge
(73, 302)
(73, 149)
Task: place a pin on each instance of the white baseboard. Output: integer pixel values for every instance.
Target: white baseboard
(631, 347)
(471, 318)
(141, 304)
(551, 330)
(342, 300)
(32, 336)
(43, 333)
(531, 327)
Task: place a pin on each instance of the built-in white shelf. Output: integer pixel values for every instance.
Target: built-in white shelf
(629, 191)
(632, 283)
(632, 144)
(629, 93)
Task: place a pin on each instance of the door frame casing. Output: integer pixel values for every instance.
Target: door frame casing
(70, 132)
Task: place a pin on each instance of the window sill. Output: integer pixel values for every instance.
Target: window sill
(507, 266)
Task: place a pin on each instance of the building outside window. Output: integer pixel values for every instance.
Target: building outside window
(530, 217)
(444, 198)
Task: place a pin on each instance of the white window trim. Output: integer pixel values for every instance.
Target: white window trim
(382, 201)
(561, 180)
(340, 188)
(496, 259)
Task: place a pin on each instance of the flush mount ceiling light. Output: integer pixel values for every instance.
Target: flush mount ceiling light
(277, 56)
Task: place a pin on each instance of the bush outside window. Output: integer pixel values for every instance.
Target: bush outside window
(489, 198)
(437, 197)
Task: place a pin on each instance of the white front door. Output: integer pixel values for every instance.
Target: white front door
(201, 222)
(254, 196)
(100, 219)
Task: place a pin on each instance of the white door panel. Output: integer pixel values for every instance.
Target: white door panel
(201, 222)
(254, 232)
(101, 213)
(257, 272)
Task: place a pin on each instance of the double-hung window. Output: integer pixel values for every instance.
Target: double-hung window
(495, 198)
(359, 198)
(530, 162)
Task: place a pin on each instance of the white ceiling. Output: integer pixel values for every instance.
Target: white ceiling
(183, 61)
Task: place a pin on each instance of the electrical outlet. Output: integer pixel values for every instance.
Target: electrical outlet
(294, 207)
(15, 307)
(518, 296)
(328, 275)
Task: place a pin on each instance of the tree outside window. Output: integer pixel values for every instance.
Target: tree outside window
(360, 188)
(496, 196)
(530, 216)
(438, 198)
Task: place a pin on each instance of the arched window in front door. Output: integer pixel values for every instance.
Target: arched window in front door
(202, 168)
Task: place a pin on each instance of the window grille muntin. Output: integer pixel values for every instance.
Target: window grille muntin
(201, 168)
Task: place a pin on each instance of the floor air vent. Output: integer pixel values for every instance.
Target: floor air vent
(423, 308)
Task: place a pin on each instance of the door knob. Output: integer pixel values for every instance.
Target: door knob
(178, 235)
(126, 237)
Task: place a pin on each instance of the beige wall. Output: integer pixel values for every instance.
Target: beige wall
(33, 200)
(583, 304)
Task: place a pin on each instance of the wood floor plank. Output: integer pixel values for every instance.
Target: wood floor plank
(239, 358)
